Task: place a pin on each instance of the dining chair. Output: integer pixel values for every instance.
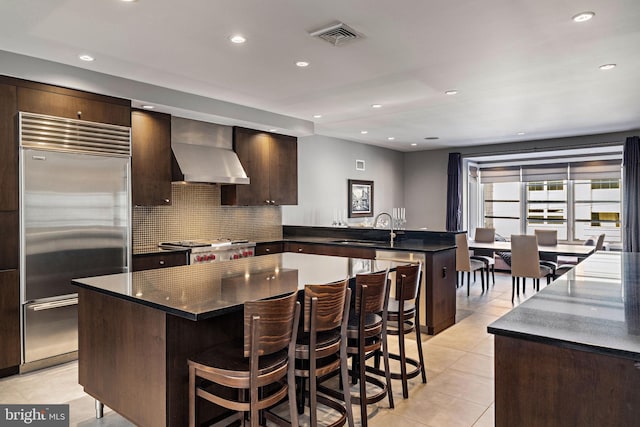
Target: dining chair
(570, 262)
(321, 348)
(486, 235)
(525, 262)
(464, 263)
(258, 366)
(548, 238)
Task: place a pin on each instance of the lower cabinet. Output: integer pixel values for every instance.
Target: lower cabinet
(9, 322)
(268, 248)
(332, 250)
(159, 260)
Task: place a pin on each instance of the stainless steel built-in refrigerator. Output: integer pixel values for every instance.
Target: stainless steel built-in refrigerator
(74, 222)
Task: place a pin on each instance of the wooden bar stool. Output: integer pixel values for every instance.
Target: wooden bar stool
(321, 349)
(367, 333)
(252, 373)
(404, 317)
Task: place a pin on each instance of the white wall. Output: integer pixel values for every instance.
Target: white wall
(324, 166)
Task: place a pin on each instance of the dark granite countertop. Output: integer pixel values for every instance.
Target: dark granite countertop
(202, 291)
(595, 307)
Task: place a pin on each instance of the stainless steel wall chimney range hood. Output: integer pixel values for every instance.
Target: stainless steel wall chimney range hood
(203, 152)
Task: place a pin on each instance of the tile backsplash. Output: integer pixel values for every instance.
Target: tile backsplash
(196, 213)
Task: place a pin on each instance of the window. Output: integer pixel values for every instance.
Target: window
(579, 199)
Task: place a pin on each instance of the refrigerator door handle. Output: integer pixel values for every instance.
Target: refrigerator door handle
(53, 304)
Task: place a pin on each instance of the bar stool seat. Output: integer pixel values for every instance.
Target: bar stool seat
(253, 373)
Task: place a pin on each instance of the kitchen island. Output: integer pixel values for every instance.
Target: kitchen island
(137, 330)
(570, 355)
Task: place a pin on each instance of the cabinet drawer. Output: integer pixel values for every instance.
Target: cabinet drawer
(268, 248)
(332, 250)
(162, 260)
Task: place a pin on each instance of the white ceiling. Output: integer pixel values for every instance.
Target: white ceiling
(519, 65)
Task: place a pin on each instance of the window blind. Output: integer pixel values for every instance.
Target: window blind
(598, 169)
(500, 174)
(550, 172)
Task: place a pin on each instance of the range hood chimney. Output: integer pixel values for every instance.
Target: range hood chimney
(203, 152)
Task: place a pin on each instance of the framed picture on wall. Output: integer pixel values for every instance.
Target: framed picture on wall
(360, 201)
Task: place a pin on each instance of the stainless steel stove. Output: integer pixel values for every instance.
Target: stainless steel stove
(203, 251)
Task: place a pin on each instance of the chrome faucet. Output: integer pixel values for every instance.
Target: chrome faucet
(391, 233)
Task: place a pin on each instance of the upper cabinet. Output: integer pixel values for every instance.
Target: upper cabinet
(73, 104)
(150, 158)
(271, 162)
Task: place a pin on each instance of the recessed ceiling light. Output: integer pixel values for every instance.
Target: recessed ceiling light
(302, 64)
(520, 133)
(86, 57)
(451, 92)
(583, 16)
(148, 107)
(376, 106)
(413, 144)
(432, 138)
(272, 130)
(608, 67)
(238, 39)
(391, 138)
(317, 116)
(129, 1)
(364, 132)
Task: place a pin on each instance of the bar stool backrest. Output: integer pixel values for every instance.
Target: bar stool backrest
(408, 281)
(330, 305)
(376, 295)
(275, 324)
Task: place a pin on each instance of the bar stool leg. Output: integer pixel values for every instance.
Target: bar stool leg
(419, 342)
(403, 355)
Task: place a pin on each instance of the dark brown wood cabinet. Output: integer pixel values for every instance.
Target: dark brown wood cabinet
(268, 248)
(151, 158)
(271, 162)
(8, 148)
(9, 322)
(331, 250)
(159, 260)
(73, 104)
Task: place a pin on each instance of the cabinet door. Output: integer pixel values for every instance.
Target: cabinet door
(9, 240)
(151, 158)
(252, 148)
(72, 104)
(283, 170)
(9, 319)
(8, 148)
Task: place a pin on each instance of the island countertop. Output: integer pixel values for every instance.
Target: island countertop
(197, 292)
(595, 307)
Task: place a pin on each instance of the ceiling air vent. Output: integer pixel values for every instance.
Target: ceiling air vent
(337, 34)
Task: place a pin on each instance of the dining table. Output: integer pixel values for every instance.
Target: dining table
(563, 249)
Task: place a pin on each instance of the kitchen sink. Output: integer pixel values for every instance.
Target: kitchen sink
(358, 242)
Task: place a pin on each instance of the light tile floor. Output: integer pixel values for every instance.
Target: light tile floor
(459, 360)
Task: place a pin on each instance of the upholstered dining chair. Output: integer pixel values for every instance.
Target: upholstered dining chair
(525, 262)
(464, 263)
(548, 238)
(486, 235)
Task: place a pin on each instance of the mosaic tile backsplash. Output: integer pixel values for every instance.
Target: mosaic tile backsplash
(196, 213)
